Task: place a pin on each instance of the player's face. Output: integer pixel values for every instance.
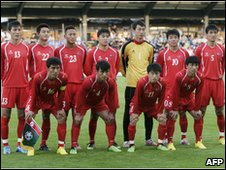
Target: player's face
(139, 32)
(70, 36)
(173, 40)
(104, 39)
(212, 35)
(102, 76)
(44, 34)
(53, 72)
(153, 76)
(192, 68)
(16, 33)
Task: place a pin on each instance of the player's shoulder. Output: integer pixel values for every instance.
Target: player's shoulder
(130, 42)
(63, 76)
(60, 47)
(221, 46)
(143, 80)
(149, 44)
(40, 76)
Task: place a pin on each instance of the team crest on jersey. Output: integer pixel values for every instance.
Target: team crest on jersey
(99, 58)
(207, 54)
(78, 53)
(39, 53)
(10, 52)
(50, 91)
(169, 58)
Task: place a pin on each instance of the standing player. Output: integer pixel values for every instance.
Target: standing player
(172, 61)
(212, 58)
(39, 53)
(186, 82)
(72, 57)
(102, 52)
(48, 94)
(135, 57)
(149, 98)
(14, 76)
(92, 96)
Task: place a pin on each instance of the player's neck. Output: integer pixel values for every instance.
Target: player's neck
(173, 48)
(15, 42)
(190, 75)
(68, 45)
(43, 43)
(211, 43)
(103, 47)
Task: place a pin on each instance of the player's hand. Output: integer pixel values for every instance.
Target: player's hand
(134, 118)
(173, 114)
(78, 119)
(111, 118)
(161, 117)
(197, 114)
(61, 116)
(29, 115)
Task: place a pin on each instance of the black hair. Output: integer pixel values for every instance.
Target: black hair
(102, 31)
(53, 61)
(192, 59)
(139, 22)
(211, 27)
(173, 32)
(69, 27)
(14, 23)
(103, 65)
(155, 67)
(40, 26)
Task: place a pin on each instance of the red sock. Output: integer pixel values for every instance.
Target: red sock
(131, 132)
(20, 127)
(198, 126)
(76, 132)
(61, 130)
(5, 130)
(161, 131)
(110, 129)
(92, 129)
(45, 130)
(183, 125)
(170, 129)
(221, 123)
(115, 126)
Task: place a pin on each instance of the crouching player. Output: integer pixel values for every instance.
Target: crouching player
(186, 82)
(92, 95)
(48, 94)
(149, 98)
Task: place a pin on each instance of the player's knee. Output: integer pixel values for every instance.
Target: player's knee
(219, 110)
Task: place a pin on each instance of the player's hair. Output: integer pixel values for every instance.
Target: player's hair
(102, 31)
(69, 27)
(173, 32)
(40, 26)
(192, 59)
(155, 67)
(14, 23)
(53, 61)
(211, 27)
(139, 22)
(103, 65)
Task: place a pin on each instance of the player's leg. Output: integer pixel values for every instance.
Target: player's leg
(92, 129)
(129, 93)
(220, 123)
(170, 131)
(183, 128)
(132, 131)
(148, 123)
(161, 118)
(5, 118)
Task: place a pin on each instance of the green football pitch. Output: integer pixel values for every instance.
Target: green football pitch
(100, 157)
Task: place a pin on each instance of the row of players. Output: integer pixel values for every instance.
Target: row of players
(135, 57)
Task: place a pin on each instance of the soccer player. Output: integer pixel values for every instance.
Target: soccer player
(39, 53)
(186, 82)
(149, 98)
(14, 76)
(48, 94)
(102, 52)
(136, 55)
(72, 57)
(172, 61)
(212, 58)
(92, 96)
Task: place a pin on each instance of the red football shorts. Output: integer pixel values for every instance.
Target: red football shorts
(213, 89)
(12, 96)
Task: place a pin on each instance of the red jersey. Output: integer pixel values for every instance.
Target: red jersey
(38, 56)
(72, 60)
(184, 87)
(148, 95)
(93, 92)
(14, 64)
(171, 63)
(44, 91)
(111, 55)
(212, 61)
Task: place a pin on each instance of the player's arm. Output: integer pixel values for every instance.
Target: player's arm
(123, 59)
(117, 64)
(111, 96)
(88, 68)
(160, 61)
(61, 93)
(198, 54)
(2, 62)
(151, 58)
(198, 95)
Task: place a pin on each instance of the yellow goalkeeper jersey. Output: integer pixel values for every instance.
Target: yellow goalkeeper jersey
(135, 57)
